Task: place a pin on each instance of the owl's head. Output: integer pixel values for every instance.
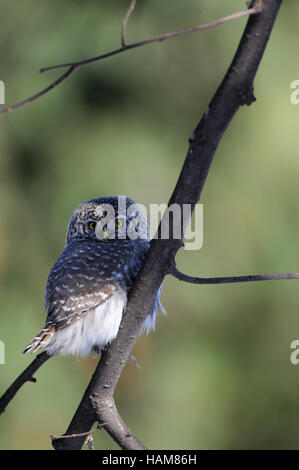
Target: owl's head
(108, 218)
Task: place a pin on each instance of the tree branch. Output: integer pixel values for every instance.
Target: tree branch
(25, 376)
(229, 279)
(125, 21)
(235, 90)
(32, 98)
(159, 38)
(82, 434)
(98, 404)
(72, 66)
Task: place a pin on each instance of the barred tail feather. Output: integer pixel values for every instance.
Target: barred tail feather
(41, 339)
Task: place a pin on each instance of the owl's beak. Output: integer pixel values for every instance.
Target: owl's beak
(105, 233)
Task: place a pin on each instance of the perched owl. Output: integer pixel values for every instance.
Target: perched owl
(86, 294)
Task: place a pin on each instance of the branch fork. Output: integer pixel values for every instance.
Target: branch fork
(72, 66)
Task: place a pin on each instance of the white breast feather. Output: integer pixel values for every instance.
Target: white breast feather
(94, 329)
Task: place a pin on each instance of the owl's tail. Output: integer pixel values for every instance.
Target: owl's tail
(41, 339)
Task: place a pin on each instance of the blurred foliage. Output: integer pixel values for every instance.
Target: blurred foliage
(216, 373)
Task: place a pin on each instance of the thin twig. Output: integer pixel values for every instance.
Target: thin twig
(32, 98)
(230, 279)
(72, 66)
(125, 21)
(80, 434)
(25, 376)
(160, 38)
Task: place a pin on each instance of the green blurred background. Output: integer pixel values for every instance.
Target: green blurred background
(216, 374)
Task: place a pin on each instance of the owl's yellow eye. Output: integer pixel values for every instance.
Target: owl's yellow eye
(118, 223)
(92, 225)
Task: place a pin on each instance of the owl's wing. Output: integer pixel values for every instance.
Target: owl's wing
(41, 339)
(78, 283)
(70, 303)
(84, 277)
(64, 310)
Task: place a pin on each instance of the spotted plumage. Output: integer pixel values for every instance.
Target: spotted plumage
(87, 289)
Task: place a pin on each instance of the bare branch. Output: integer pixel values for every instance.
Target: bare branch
(229, 279)
(235, 90)
(160, 38)
(81, 434)
(125, 21)
(98, 404)
(25, 376)
(72, 66)
(32, 98)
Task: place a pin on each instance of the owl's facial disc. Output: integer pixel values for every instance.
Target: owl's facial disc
(108, 218)
(111, 227)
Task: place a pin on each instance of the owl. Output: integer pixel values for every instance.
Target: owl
(87, 290)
